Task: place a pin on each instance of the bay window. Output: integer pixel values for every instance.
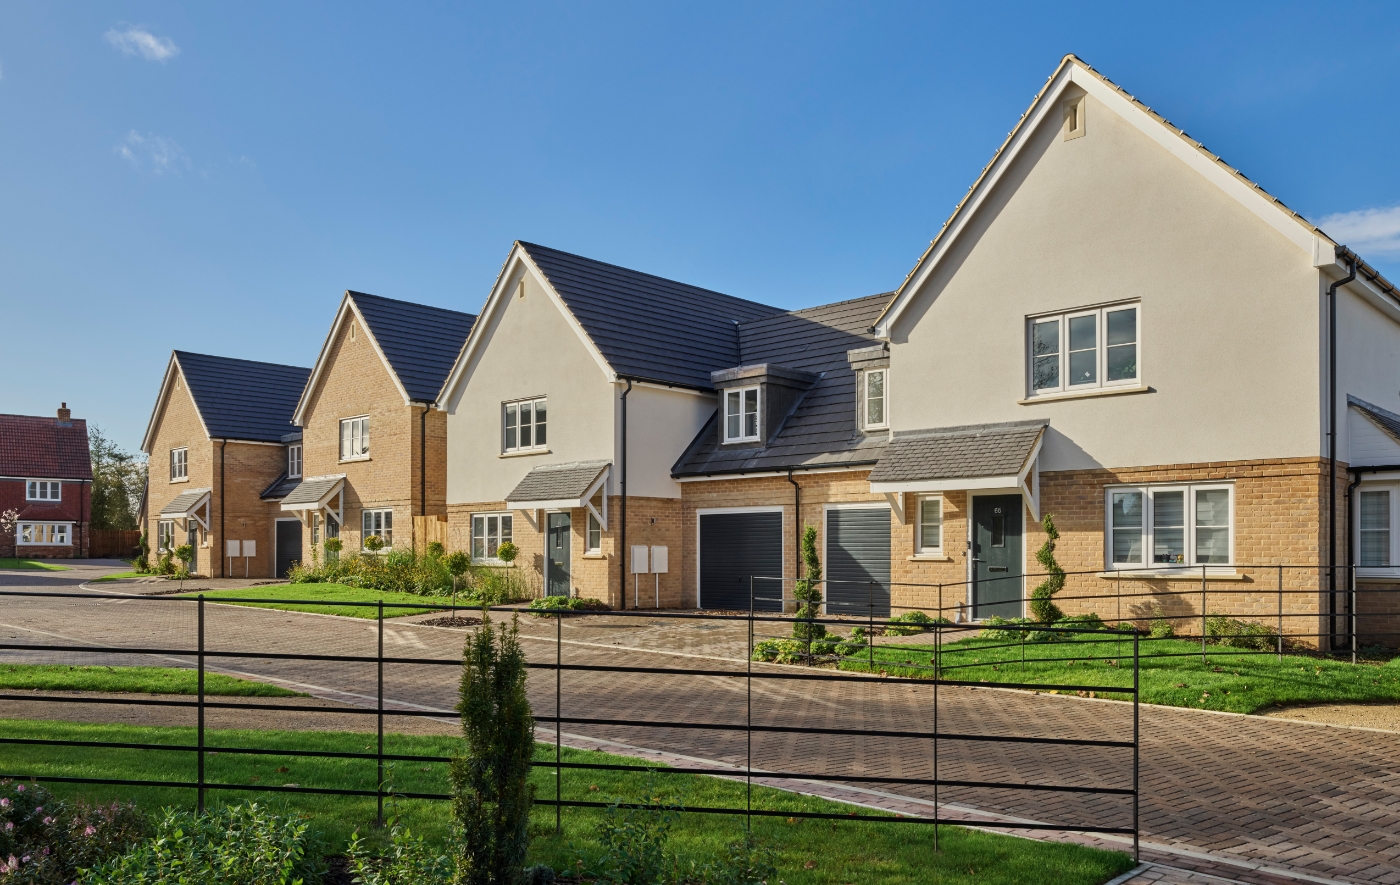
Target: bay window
(1169, 526)
(489, 532)
(46, 533)
(741, 414)
(523, 425)
(1084, 350)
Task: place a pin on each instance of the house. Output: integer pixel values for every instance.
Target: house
(221, 444)
(46, 479)
(578, 387)
(377, 378)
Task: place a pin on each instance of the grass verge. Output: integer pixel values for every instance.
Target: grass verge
(122, 576)
(838, 852)
(149, 680)
(324, 593)
(30, 564)
(1230, 679)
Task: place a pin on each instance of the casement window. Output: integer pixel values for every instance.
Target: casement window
(1170, 526)
(294, 462)
(741, 414)
(523, 425)
(165, 535)
(53, 534)
(595, 535)
(354, 438)
(179, 464)
(1084, 350)
(1376, 518)
(489, 532)
(377, 522)
(930, 525)
(43, 490)
(874, 409)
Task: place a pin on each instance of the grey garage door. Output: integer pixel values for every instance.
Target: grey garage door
(735, 547)
(858, 562)
(288, 545)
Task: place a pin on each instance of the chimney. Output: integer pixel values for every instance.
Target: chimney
(65, 415)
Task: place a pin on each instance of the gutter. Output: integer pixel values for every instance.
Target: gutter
(1332, 443)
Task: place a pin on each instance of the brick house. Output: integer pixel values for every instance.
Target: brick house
(377, 377)
(221, 445)
(46, 478)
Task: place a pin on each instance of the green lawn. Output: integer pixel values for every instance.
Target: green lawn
(326, 593)
(1231, 679)
(121, 575)
(840, 852)
(150, 680)
(31, 564)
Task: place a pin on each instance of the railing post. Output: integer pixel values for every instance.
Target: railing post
(937, 646)
(1203, 614)
(379, 752)
(200, 726)
(1137, 848)
(1280, 613)
(748, 722)
(558, 714)
(1351, 583)
(870, 644)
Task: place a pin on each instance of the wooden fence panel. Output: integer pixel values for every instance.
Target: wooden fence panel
(113, 543)
(427, 529)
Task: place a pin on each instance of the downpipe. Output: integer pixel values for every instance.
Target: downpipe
(1332, 447)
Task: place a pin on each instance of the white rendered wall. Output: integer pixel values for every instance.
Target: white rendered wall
(661, 423)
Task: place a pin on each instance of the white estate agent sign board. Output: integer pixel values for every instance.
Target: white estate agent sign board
(245, 549)
(648, 560)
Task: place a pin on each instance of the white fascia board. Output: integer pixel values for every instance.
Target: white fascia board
(551, 504)
(974, 483)
(347, 310)
(172, 370)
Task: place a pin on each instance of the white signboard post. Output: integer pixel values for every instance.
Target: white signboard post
(250, 549)
(658, 568)
(639, 567)
(232, 553)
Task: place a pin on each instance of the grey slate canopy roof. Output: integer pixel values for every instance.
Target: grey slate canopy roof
(310, 492)
(184, 502)
(558, 482)
(243, 399)
(646, 326)
(1386, 420)
(420, 342)
(821, 430)
(958, 452)
(280, 488)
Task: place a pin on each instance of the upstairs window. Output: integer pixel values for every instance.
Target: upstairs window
(1084, 350)
(294, 462)
(179, 464)
(523, 425)
(874, 412)
(43, 490)
(489, 532)
(1170, 526)
(354, 438)
(741, 415)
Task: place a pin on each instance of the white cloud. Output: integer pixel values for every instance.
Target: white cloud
(154, 153)
(136, 40)
(1366, 230)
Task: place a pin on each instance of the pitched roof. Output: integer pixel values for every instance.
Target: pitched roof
(420, 342)
(1386, 420)
(44, 448)
(280, 487)
(821, 430)
(645, 326)
(242, 399)
(959, 452)
(183, 503)
(310, 492)
(558, 482)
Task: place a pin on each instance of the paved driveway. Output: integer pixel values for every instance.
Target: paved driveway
(1251, 797)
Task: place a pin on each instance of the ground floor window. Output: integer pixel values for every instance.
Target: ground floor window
(1166, 526)
(49, 533)
(931, 524)
(1375, 519)
(595, 534)
(165, 535)
(489, 532)
(378, 522)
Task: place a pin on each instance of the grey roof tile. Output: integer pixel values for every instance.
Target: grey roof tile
(280, 488)
(958, 452)
(243, 399)
(420, 342)
(311, 491)
(555, 482)
(1386, 420)
(183, 502)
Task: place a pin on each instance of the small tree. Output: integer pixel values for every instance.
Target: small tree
(491, 791)
(9, 524)
(808, 591)
(436, 550)
(457, 564)
(184, 553)
(374, 543)
(507, 552)
(333, 547)
(1042, 597)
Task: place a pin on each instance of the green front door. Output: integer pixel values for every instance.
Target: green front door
(998, 564)
(557, 553)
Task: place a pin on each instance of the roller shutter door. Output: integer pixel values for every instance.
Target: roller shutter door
(735, 547)
(858, 561)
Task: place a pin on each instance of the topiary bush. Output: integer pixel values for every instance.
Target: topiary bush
(1042, 597)
(808, 590)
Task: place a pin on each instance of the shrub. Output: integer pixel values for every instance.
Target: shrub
(543, 605)
(243, 844)
(498, 586)
(507, 552)
(373, 543)
(912, 623)
(491, 792)
(1042, 597)
(1003, 629)
(1234, 633)
(166, 564)
(436, 550)
(634, 839)
(808, 590)
(1161, 627)
(408, 860)
(744, 863)
(45, 840)
(780, 651)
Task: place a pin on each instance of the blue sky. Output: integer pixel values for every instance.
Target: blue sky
(213, 177)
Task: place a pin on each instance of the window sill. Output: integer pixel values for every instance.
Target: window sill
(1084, 394)
(525, 452)
(595, 556)
(929, 557)
(1378, 577)
(1193, 573)
(356, 458)
(748, 441)
(185, 479)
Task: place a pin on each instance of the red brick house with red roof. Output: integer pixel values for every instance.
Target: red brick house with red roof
(46, 478)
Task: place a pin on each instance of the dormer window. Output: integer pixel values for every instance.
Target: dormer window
(741, 414)
(874, 406)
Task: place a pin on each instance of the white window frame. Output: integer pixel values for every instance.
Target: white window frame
(354, 438)
(165, 535)
(593, 534)
(1101, 348)
(738, 395)
(865, 376)
(919, 546)
(1149, 491)
(294, 461)
(43, 490)
(1379, 571)
(504, 531)
(377, 521)
(510, 412)
(49, 534)
(180, 464)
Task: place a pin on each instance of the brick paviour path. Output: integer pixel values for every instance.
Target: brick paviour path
(1239, 798)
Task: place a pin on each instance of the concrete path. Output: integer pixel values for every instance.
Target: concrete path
(1238, 797)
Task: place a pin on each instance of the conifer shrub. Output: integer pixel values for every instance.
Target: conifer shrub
(1042, 597)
